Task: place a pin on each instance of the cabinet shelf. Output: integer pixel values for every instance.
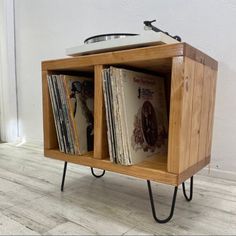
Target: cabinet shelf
(153, 168)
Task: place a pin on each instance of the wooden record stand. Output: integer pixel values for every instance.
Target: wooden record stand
(190, 81)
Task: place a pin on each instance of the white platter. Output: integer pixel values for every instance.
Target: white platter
(148, 38)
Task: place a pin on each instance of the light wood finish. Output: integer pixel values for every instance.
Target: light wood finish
(183, 176)
(49, 130)
(125, 56)
(158, 66)
(191, 114)
(31, 202)
(153, 168)
(200, 57)
(180, 123)
(187, 112)
(191, 81)
(100, 129)
(205, 112)
(132, 55)
(212, 95)
(176, 149)
(196, 113)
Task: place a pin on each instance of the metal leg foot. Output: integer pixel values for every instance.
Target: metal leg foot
(63, 177)
(153, 206)
(97, 176)
(191, 190)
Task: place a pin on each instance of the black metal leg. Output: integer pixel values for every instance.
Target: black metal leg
(97, 176)
(191, 190)
(63, 177)
(153, 206)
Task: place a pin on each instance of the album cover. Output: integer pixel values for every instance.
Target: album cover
(55, 110)
(136, 115)
(65, 113)
(60, 113)
(109, 115)
(80, 99)
(145, 113)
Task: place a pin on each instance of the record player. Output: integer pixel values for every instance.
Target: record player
(118, 41)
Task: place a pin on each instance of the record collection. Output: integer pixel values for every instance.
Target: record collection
(72, 104)
(136, 115)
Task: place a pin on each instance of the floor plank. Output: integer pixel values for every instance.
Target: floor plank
(31, 202)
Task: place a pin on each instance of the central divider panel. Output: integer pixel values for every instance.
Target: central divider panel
(100, 128)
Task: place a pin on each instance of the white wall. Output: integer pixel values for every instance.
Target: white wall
(44, 28)
(8, 98)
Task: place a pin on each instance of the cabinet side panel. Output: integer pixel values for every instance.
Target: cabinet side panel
(193, 87)
(205, 112)
(100, 129)
(213, 79)
(180, 122)
(196, 113)
(175, 116)
(50, 138)
(186, 132)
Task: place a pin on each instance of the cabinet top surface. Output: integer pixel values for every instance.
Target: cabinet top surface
(159, 52)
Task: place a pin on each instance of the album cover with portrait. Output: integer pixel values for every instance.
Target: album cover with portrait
(80, 100)
(145, 113)
(136, 115)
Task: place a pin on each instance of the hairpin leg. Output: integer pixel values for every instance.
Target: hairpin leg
(97, 176)
(63, 177)
(153, 206)
(191, 190)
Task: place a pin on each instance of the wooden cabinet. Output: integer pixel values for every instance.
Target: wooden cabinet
(190, 81)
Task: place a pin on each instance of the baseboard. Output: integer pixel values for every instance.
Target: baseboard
(35, 142)
(29, 142)
(211, 172)
(223, 174)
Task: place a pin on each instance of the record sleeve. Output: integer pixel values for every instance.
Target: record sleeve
(136, 115)
(145, 114)
(55, 114)
(80, 99)
(60, 113)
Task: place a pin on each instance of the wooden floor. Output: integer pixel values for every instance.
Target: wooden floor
(31, 202)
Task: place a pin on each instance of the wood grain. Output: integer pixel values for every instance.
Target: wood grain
(153, 168)
(200, 57)
(212, 95)
(192, 96)
(189, 172)
(100, 128)
(175, 115)
(205, 112)
(124, 56)
(196, 113)
(187, 112)
(191, 114)
(175, 147)
(139, 55)
(180, 123)
(158, 66)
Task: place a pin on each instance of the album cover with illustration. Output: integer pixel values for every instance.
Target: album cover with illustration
(136, 111)
(145, 113)
(80, 99)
